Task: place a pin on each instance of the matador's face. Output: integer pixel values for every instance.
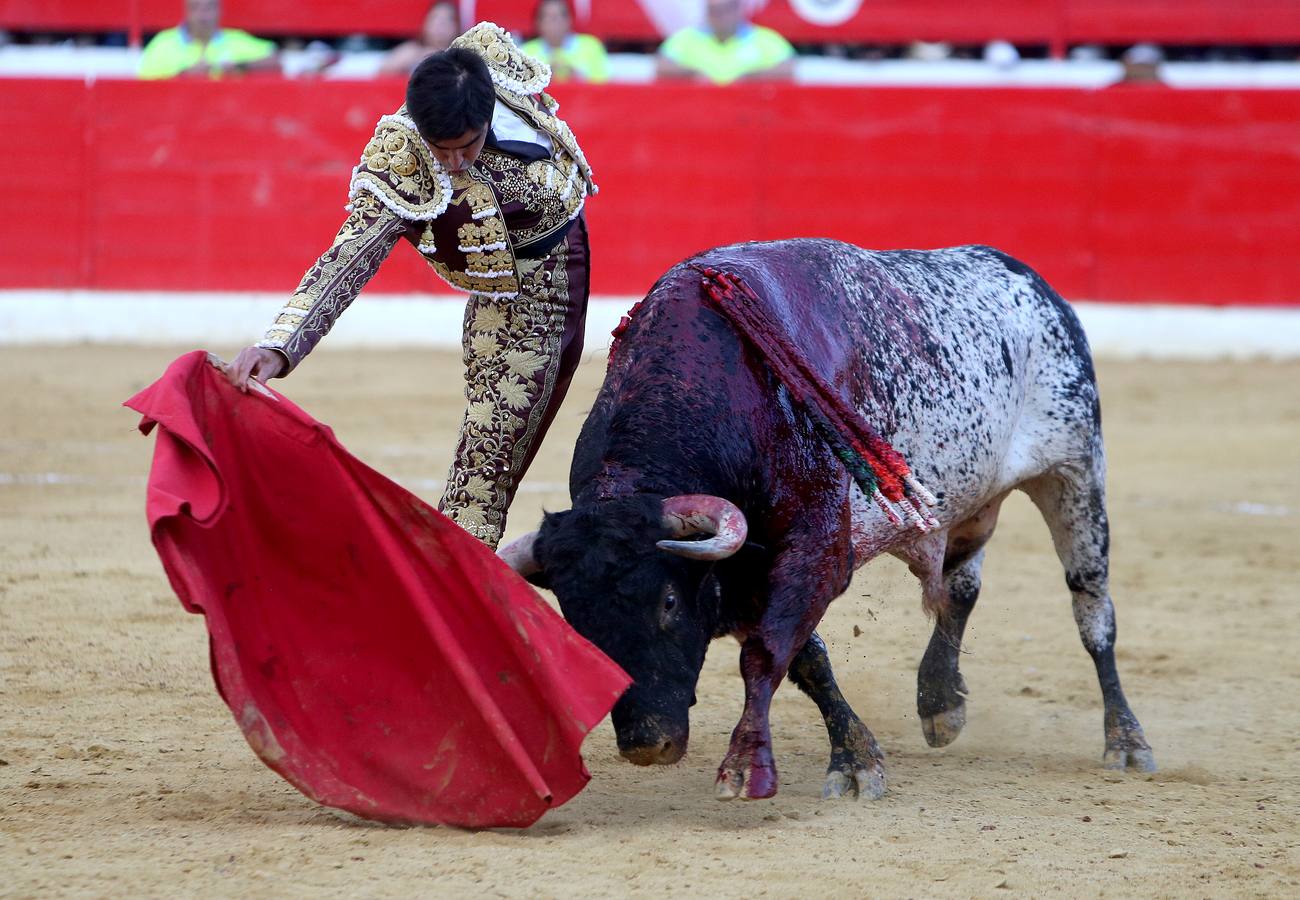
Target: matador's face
(458, 154)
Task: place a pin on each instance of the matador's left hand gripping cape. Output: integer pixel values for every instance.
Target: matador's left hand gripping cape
(473, 227)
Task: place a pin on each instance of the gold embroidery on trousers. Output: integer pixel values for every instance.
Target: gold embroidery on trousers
(512, 361)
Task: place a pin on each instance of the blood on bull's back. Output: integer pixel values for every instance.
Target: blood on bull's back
(964, 359)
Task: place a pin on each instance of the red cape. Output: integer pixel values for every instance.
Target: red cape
(375, 655)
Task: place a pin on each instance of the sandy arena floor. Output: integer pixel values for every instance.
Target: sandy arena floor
(122, 774)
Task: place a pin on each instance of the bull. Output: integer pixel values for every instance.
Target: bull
(705, 504)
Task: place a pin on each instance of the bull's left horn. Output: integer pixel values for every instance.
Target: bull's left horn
(689, 514)
(518, 555)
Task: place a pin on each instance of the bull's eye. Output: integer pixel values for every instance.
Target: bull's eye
(668, 606)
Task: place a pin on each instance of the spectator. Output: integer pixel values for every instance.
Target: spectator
(1142, 63)
(928, 51)
(728, 49)
(441, 27)
(580, 57)
(200, 46)
(1001, 55)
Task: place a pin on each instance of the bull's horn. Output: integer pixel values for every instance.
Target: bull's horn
(689, 514)
(518, 555)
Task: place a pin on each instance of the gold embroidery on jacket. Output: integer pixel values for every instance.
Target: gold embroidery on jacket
(489, 234)
(511, 69)
(541, 115)
(520, 82)
(398, 181)
(551, 189)
(489, 268)
(399, 170)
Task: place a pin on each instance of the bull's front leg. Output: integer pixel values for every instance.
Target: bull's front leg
(802, 584)
(857, 766)
(749, 771)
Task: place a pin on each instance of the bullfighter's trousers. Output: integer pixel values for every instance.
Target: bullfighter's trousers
(520, 354)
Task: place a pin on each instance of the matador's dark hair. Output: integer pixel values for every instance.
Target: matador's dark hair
(450, 93)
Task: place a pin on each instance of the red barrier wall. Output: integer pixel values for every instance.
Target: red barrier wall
(880, 21)
(1049, 21)
(1128, 193)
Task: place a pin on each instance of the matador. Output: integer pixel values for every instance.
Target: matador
(478, 173)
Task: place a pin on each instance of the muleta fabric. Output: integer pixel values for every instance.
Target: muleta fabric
(373, 654)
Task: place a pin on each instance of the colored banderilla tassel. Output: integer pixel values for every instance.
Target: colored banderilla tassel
(879, 470)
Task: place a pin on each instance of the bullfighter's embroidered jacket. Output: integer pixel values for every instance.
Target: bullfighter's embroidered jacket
(473, 227)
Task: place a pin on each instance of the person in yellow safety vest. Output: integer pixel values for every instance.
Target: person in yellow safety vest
(200, 46)
(576, 57)
(729, 48)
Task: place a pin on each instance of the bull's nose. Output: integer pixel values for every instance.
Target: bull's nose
(664, 753)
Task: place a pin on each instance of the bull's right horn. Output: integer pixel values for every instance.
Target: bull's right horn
(518, 555)
(689, 514)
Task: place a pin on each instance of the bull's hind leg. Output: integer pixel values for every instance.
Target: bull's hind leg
(1073, 501)
(857, 765)
(940, 689)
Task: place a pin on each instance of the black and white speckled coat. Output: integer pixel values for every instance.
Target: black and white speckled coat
(964, 359)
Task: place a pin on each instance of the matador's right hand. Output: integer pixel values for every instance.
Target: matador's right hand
(254, 362)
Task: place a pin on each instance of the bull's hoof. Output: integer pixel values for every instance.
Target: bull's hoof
(750, 783)
(863, 784)
(943, 728)
(1126, 745)
(1140, 760)
(1125, 754)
